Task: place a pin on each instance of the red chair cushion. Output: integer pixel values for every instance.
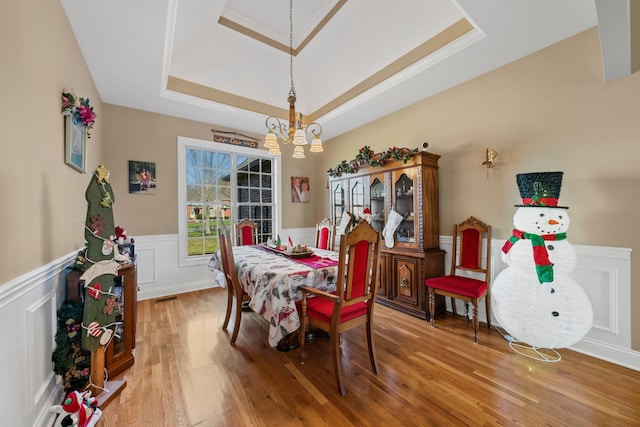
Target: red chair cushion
(466, 286)
(322, 309)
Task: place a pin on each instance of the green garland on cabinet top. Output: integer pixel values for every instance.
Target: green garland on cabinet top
(366, 157)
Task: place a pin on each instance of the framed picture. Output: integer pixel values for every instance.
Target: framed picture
(75, 144)
(300, 189)
(142, 177)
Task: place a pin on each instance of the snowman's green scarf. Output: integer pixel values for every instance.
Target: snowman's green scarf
(544, 268)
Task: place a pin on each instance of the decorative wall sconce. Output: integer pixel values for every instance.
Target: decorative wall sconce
(490, 159)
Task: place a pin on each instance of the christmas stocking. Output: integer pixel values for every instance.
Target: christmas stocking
(390, 228)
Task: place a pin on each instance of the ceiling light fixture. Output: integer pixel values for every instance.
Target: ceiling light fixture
(295, 131)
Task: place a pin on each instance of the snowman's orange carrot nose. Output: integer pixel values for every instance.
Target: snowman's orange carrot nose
(553, 222)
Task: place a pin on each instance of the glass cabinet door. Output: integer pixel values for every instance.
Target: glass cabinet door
(403, 184)
(377, 197)
(119, 336)
(357, 197)
(337, 201)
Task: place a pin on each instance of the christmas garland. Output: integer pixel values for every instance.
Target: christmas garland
(70, 360)
(366, 157)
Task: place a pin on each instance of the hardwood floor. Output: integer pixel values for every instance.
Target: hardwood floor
(187, 374)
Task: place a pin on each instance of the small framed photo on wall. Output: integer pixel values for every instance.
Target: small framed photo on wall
(300, 189)
(142, 177)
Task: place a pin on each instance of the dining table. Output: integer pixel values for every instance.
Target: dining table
(271, 278)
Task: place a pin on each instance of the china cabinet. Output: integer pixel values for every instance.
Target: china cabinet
(119, 354)
(411, 190)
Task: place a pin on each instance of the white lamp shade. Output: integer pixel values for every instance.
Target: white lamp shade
(298, 152)
(300, 137)
(316, 145)
(270, 140)
(274, 150)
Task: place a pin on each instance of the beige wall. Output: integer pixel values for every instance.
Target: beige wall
(143, 136)
(42, 204)
(549, 111)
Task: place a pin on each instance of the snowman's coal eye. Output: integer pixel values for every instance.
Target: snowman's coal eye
(541, 214)
(555, 314)
(559, 216)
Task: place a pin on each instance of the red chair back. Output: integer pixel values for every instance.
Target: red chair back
(325, 231)
(247, 232)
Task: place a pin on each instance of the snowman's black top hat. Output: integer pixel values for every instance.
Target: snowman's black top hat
(540, 189)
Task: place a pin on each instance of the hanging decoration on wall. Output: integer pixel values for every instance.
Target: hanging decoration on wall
(367, 157)
(79, 109)
(490, 158)
(79, 119)
(234, 138)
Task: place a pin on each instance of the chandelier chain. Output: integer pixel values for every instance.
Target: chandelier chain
(292, 91)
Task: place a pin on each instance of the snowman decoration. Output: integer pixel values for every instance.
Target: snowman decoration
(534, 298)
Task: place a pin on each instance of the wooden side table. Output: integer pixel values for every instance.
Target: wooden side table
(119, 353)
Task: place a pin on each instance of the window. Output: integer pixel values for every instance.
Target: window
(221, 184)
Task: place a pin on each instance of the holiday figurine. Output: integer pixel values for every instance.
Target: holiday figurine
(77, 410)
(534, 298)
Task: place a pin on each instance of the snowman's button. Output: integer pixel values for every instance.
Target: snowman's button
(550, 247)
(555, 314)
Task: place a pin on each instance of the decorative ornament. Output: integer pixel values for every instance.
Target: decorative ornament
(110, 303)
(102, 174)
(534, 298)
(97, 224)
(79, 109)
(99, 268)
(73, 326)
(94, 329)
(366, 157)
(107, 247)
(95, 291)
(106, 337)
(79, 409)
(106, 200)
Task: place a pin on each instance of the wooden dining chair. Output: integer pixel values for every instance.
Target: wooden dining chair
(235, 293)
(467, 257)
(325, 235)
(247, 232)
(353, 301)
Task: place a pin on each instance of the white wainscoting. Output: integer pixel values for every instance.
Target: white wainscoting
(605, 275)
(28, 315)
(28, 307)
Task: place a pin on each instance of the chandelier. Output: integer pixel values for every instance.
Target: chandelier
(294, 131)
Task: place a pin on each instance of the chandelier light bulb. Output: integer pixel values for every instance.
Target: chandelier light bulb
(300, 138)
(316, 145)
(298, 152)
(270, 140)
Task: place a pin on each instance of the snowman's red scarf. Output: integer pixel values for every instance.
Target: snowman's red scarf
(544, 268)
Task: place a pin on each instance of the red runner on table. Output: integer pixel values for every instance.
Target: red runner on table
(312, 261)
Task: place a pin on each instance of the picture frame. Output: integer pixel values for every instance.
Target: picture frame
(142, 177)
(75, 144)
(300, 189)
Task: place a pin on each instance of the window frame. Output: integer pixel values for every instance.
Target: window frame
(184, 143)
